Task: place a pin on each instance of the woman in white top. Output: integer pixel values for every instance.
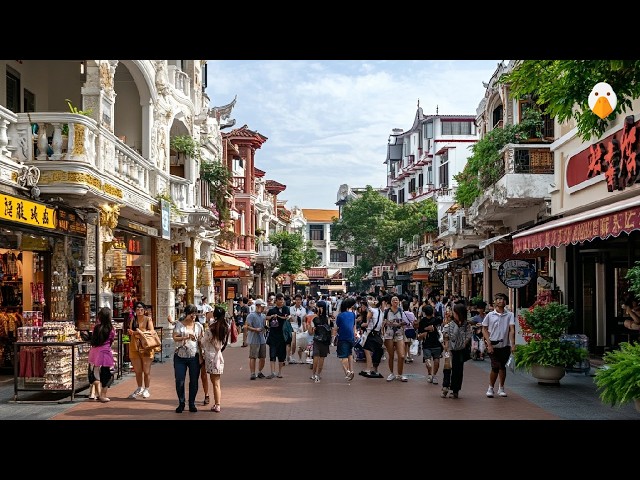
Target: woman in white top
(297, 317)
(394, 338)
(186, 335)
(373, 346)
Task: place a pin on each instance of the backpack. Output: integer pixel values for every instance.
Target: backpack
(322, 333)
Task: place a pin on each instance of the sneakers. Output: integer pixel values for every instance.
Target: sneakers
(137, 393)
(501, 392)
(253, 376)
(364, 373)
(145, 393)
(434, 380)
(349, 376)
(271, 375)
(391, 377)
(315, 378)
(403, 378)
(429, 378)
(445, 392)
(374, 375)
(490, 392)
(261, 375)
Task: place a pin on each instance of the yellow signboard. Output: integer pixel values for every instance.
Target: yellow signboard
(27, 212)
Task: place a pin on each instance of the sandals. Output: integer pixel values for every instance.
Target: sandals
(206, 400)
(215, 408)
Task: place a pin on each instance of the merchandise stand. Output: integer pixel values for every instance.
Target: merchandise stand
(54, 367)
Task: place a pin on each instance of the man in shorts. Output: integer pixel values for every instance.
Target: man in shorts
(499, 332)
(255, 339)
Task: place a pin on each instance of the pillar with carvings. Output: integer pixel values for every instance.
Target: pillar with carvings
(166, 294)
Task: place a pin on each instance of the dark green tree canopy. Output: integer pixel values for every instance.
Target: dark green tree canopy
(371, 225)
(295, 254)
(562, 88)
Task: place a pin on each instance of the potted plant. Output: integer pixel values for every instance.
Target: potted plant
(618, 380)
(545, 354)
(185, 144)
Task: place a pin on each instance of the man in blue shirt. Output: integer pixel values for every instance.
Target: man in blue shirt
(346, 325)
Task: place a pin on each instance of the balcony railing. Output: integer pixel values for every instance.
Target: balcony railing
(520, 161)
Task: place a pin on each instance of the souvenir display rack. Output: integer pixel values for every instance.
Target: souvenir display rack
(50, 367)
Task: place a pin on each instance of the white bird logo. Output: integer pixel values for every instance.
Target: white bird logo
(602, 100)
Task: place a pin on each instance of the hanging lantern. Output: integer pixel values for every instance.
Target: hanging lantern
(181, 271)
(119, 269)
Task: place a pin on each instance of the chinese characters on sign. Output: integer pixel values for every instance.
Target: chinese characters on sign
(27, 212)
(600, 227)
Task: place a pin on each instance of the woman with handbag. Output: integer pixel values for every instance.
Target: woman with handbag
(394, 321)
(213, 343)
(141, 359)
(373, 345)
(101, 361)
(457, 341)
(186, 335)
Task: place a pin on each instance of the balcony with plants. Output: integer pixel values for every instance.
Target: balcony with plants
(506, 170)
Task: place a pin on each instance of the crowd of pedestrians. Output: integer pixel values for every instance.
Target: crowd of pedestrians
(390, 327)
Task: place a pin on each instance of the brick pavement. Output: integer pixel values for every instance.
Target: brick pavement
(296, 397)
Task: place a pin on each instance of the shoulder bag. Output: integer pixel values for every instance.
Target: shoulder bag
(233, 336)
(148, 340)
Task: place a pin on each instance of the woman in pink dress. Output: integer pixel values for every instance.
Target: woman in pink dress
(101, 361)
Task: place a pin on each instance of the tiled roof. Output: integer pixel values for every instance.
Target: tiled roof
(274, 187)
(245, 133)
(320, 215)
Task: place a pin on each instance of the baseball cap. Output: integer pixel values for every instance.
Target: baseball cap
(259, 302)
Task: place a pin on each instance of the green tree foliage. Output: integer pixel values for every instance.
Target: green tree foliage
(483, 166)
(295, 254)
(219, 178)
(371, 225)
(563, 88)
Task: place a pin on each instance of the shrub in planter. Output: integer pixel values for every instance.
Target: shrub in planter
(545, 324)
(618, 380)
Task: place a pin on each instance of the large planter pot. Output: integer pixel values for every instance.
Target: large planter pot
(547, 375)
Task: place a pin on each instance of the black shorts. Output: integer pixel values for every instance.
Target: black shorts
(499, 357)
(410, 333)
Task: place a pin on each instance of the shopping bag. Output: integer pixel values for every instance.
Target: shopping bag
(413, 350)
(511, 363)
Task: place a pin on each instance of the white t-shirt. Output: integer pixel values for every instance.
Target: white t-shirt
(498, 325)
(295, 313)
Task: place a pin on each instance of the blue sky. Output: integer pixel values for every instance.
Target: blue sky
(328, 121)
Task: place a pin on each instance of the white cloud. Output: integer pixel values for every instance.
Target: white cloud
(327, 122)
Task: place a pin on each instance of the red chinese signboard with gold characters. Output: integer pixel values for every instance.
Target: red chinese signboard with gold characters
(602, 227)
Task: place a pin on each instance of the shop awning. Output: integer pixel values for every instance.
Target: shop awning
(443, 265)
(602, 222)
(225, 262)
(485, 243)
(332, 288)
(407, 266)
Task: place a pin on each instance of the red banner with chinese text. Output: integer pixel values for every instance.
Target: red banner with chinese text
(602, 227)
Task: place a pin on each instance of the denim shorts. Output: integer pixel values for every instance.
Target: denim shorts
(432, 352)
(344, 348)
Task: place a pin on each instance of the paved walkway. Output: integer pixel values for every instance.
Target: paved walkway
(296, 397)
